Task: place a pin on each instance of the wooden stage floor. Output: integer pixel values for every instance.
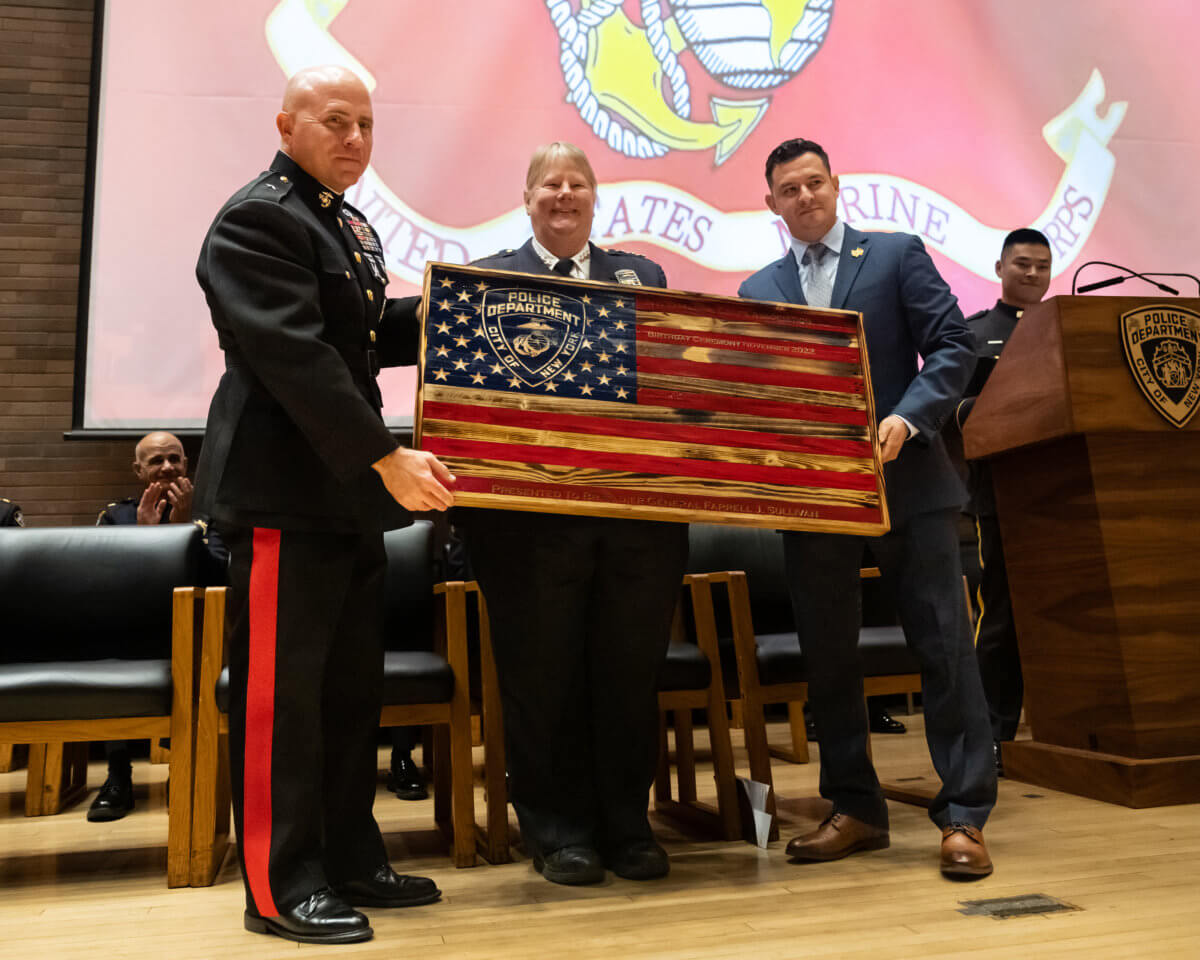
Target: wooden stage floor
(71, 889)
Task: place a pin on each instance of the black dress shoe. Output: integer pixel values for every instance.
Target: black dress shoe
(322, 918)
(114, 800)
(387, 888)
(640, 860)
(573, 866)
(884, 722)
(405, 780)
(998, 757)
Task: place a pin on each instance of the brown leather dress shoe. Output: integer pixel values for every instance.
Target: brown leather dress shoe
(964, 854)
(838, 836)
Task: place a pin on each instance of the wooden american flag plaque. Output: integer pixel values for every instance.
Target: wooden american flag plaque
(571, 396)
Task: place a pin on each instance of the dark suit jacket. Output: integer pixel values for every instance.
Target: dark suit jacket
(907, 310)
(295, 423)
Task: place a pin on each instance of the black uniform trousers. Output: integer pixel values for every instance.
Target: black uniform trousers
(580, 611)
(306, 682)
(996, 634)
(922, 572)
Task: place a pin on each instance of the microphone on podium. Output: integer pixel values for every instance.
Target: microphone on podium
(1128, 275)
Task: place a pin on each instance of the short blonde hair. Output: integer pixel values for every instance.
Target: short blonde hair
(545, 155)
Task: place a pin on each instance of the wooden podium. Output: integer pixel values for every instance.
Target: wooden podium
(1098, 498)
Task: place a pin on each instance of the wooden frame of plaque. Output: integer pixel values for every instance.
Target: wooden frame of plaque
(555, 395)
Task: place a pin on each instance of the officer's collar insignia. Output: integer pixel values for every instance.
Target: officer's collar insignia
(856, 252)
(325, 197)
(1161, 345)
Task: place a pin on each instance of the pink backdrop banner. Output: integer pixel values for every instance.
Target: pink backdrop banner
(957, 122)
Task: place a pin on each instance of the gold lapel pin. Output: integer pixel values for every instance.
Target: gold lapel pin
(856, 252)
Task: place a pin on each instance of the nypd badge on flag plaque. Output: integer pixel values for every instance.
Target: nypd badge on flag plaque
(571, 396)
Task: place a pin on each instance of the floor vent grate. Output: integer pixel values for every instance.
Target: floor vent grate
(1026, 905)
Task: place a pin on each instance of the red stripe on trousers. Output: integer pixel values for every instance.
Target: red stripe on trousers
(260, 719)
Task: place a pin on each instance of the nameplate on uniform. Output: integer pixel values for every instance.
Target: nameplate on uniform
(556, 395)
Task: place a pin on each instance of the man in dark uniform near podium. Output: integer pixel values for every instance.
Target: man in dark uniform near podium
(296, 472)
(1024, 272)
(580, 608)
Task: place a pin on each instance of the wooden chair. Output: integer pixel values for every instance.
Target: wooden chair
(421, 687)
(70, 594)
(692, 679)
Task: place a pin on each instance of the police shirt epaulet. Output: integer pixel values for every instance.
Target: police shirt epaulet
(271, 186)
(978, 316)
(627, 253)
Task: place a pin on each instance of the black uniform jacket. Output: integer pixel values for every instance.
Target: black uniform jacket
(991, 329)
(295, 279)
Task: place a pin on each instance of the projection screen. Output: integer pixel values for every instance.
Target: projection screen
(955, 121)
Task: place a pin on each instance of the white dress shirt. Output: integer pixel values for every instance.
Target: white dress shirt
(833, 241)
(583, 260)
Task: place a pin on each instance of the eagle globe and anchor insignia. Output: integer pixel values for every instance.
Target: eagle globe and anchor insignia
(1162, 343)
(536, 334)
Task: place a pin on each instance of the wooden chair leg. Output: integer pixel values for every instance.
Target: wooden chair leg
(799, 751)
(685, 756)
(462, 801)
(736, 720)
(159, 753)
(753, 720)
(662, 777)
(870, 751)
(56, 779)
(495, 846)
(12, 755)
(441, 780)
(186, 625)
(211, 797)
(35, 779)
(720, 744)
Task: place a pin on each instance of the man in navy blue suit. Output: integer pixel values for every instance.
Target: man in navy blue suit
(908, 310)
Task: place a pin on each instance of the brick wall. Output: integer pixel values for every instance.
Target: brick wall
(45, 64)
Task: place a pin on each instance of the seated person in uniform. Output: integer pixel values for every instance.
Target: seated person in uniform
(10, 514)
(160, 466)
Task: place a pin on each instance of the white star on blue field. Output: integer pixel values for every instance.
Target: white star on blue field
(459, 353)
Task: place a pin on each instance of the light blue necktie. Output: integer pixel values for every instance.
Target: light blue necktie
(819, 291)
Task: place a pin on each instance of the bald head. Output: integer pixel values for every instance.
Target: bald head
(159, 456)
(326, 125)
(312, 82)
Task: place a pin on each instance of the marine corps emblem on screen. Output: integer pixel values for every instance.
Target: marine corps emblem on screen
(1161, 346)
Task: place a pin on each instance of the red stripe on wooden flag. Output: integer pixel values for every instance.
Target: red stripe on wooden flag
(679, 501)
(758, 408)
(734, 373)
(644, 429)
(799, 349)
(645, 463)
